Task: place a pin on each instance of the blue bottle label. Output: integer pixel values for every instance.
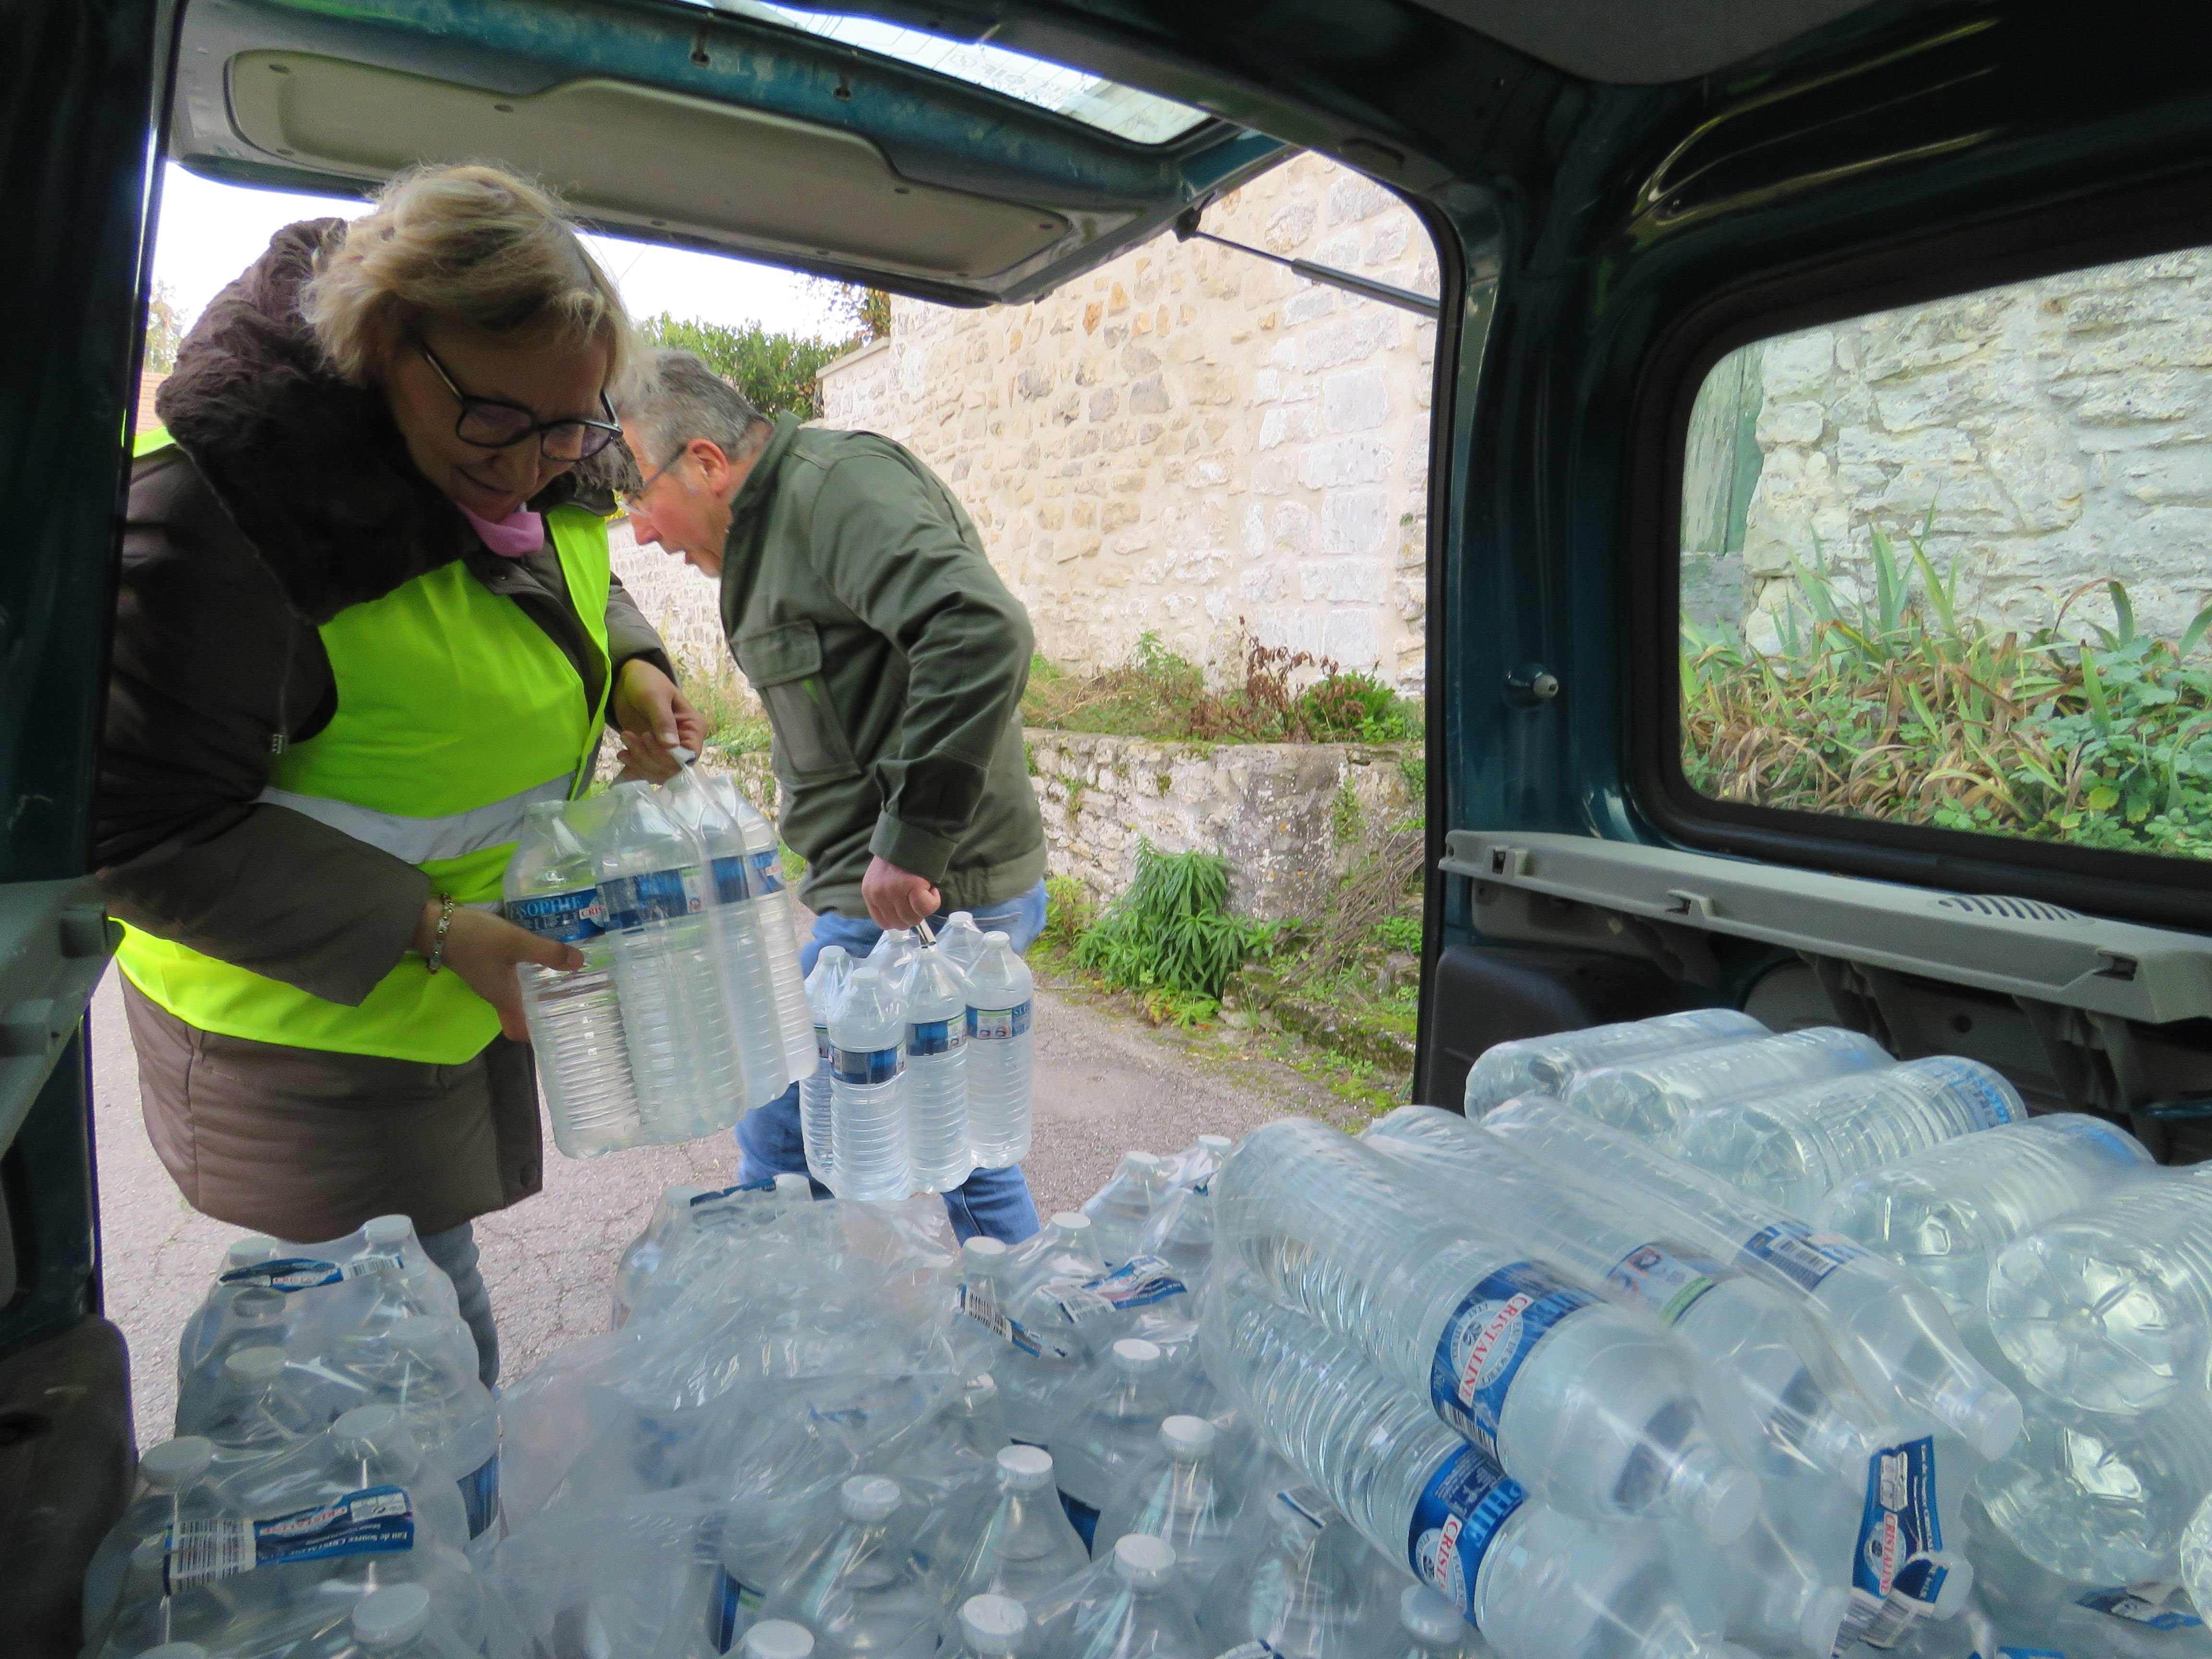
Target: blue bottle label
(821, 1045)
(925, 1038)
(375, 1521)
(1990, 1104)
(765, 1184)
(1488, 1336)
(998, 1025)
(1457, 1514)
(767, 874)
(731, 1607)
(1665, 1280)
(863, 1068)
(2154, 1606)
(1794, 1252)
(733, 878)
(1136, 1283)
(1895, 1576)
(301, 1273)
(480, 1495)
(574, 918)
(656, 896)
(1082, 1517)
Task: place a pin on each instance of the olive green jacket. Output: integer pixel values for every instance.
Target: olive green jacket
(858, 600)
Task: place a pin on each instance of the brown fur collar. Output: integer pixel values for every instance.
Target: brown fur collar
(312, 470)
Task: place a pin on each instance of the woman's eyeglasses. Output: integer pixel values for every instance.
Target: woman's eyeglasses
(491, 423)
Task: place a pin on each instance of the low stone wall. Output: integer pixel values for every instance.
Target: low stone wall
(1289, 817)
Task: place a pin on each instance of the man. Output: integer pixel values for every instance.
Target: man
(858, 600)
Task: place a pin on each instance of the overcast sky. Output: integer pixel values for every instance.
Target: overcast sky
(209, 232)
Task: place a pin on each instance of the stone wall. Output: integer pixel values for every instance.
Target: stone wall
(1191, 438)
(2060, 429)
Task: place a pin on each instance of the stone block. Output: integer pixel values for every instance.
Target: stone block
(1334, 463)
(1355, 401)
(1148, 395)
(1355, 521)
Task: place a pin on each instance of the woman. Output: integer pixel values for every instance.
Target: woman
(366, 618)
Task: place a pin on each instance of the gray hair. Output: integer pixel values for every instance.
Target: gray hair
(669, 397)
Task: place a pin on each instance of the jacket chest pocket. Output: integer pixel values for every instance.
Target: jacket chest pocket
(785, 667)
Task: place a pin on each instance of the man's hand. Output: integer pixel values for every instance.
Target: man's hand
(655, 718)
(895, 898)
(484, 950)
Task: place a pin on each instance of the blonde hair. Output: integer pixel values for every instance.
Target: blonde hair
(469, 246)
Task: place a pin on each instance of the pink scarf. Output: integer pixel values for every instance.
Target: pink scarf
(517, 536)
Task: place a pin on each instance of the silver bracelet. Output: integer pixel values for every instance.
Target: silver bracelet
(445, 906)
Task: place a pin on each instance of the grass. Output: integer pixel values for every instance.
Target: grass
(1158, 695)
(1170, 938)
(1900, 705)
(736, 723)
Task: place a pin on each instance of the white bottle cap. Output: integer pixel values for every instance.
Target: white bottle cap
(367, 1426)
(386, 1617)
(1144, 1560)
(981, 1388)
(984, 1249)
(993, 1625)
(1002, 938)
(1429, 1618)
(1187, 1438)
(254, 1364)
(1024, 1468)
(389, 1229)
(1216, 1143)
(680, 755)
(869, 1497)
(176, 1463)
(1072, 1221)
(778, 1638)
(257, 1306)
(1136, 1355)
(1142, 1163)
(791, 1182)
(249, 1250)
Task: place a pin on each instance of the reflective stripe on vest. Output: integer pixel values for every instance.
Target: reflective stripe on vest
(455, 711)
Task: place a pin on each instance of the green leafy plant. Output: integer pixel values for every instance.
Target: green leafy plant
(779, 374)
(1171, 933)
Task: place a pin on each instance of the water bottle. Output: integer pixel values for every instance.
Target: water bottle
(654, 888)
(755, 1019)
(640, 1261)
(1786, 1584)
(962, 940)
(1537, 1584)
(403, 1623)
(1041, 1352)
(1433, 1628)
(254, 1413)
(1181, 1233)
(1291, 1585)
(172, 1488)
(867, 1128)
(1549, 1065)
(1064, 1248)
(1889, 1328)
(1000, 1001)
(1107, 1428)
(366, 1449)
(388, 1246)
(777, 1639)
(249, 1316)
(1772, 1387)
(1120, 1209)
(1125, 1609)
(825, 988)
(989, 1627)
(935, 1085)
(1195, 1164)
(1943, 1214)
(1008, 1538)
(2110, 1308)
(1650, 1098)
(2102, 1500)
(575, 1020)
(196, 1342)
(896, 950)
(779, 932)
(1173, 1496)
(859, 1588)
(1588, 1407)
(427, 1369)
(1792, 1146)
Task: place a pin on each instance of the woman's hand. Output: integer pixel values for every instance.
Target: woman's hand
(655, 718)
(484, 950)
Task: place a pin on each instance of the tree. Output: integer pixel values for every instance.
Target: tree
(865, 311)
(778, 373)
(165, 330)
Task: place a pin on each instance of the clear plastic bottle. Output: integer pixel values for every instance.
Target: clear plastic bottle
(1944, 1214)
(1536, 1584)
(671, 1220)
(1042, 1354)
(171, 1489)
(255, 1413)
(755, 1019)
(1001, 1003)
(1590, 1409)
(1195, 1164)
(896, 950)
(2110, 1308)
(206, 1323)
(1009, 1538)
(825, 988)
(1126, 1610)
(936, 1081)
(1434, 1629)
(2197, 1555)
(369, 1446)
(426, 1368)
(1120, 1209)
(779, 930)
(1786, 1584)
(252, 1316)
(403, 1623)
(1650, 1098)
(1774, 1389)
(2103, 1499)
(989, 1627)
(1181, 1233)
(1065, 1248)
(1889, 1329)
(575, 1020)
(1792, 1146)
(867, 1108)
(654, 886)
(859, 1588)
(1549, 1065)
(388, 1244)
(1174, 1497)
(1106, 1428)
(1291, 1583)
(960, 939)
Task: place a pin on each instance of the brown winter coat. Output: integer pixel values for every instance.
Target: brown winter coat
(289, 497)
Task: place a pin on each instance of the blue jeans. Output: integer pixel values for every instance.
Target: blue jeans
(992, 1202)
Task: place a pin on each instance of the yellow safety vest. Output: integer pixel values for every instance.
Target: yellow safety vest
(455, 711)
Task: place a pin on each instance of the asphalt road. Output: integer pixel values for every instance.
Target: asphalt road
(1105, 1083)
